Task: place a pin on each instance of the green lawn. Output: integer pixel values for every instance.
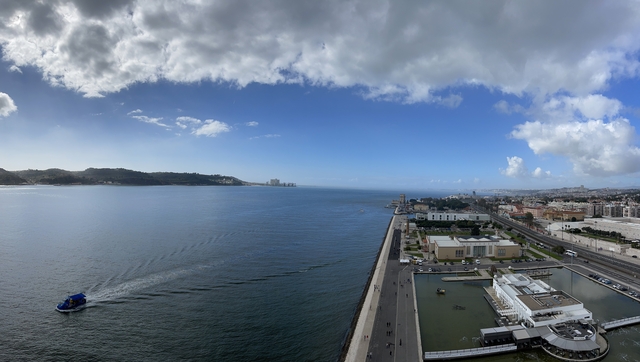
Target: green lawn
(545, 252)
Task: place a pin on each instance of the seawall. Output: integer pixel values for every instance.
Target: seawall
(355, 333)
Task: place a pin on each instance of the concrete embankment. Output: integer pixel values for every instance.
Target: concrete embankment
(355, 346)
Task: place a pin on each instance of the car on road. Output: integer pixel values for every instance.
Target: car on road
(634, 256)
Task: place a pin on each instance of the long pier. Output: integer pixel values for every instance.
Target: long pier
(470, 352)
(607, 326)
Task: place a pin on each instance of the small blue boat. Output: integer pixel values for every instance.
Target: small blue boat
(72, 303)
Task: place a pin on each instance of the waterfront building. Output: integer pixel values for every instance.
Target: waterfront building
(452, 216)
(541, 316)
(534, 303)
(461, 247)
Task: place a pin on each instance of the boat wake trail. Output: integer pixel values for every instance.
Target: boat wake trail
(135, 285)
(105, 293)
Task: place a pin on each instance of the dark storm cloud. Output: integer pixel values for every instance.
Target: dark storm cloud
(100, 9)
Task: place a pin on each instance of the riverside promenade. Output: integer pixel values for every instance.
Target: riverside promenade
(386, 329)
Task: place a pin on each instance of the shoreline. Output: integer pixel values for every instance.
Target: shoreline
(356, 346)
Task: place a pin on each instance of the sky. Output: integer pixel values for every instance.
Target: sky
(378, 94)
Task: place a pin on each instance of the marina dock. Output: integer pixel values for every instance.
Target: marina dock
(607, 326)
(470, 352)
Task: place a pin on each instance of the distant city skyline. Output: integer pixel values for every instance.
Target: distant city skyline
(451, 95)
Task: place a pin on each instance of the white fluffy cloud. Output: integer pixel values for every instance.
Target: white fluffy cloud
(183, 122)
(538, 173)
(211, 128)
(400, 51)
(587, 130)
(270, 135)
(595, 147)
(151, 120)
(517, 169)
(136, 114)
(6, 105)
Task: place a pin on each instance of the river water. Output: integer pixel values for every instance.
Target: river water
(215, 274)
(184, 273)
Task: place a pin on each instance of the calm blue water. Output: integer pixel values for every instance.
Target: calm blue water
(184, 273)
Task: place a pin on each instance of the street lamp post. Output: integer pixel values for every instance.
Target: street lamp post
(572, 247)
(596, 239)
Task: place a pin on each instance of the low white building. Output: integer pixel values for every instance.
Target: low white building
(452, 216)
(535, 303)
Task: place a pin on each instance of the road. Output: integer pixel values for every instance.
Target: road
(616, 268)
(394, 336)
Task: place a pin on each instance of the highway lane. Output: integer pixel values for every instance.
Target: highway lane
(615, 263)
(615, 268)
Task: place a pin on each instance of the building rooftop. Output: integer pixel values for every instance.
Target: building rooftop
(544, 301)
(474, 239)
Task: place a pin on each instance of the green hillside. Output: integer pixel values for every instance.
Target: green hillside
(117, 176)
(9, 178)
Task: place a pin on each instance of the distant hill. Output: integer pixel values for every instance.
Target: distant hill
(9, 178)
(52, 176)
(117, 176)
